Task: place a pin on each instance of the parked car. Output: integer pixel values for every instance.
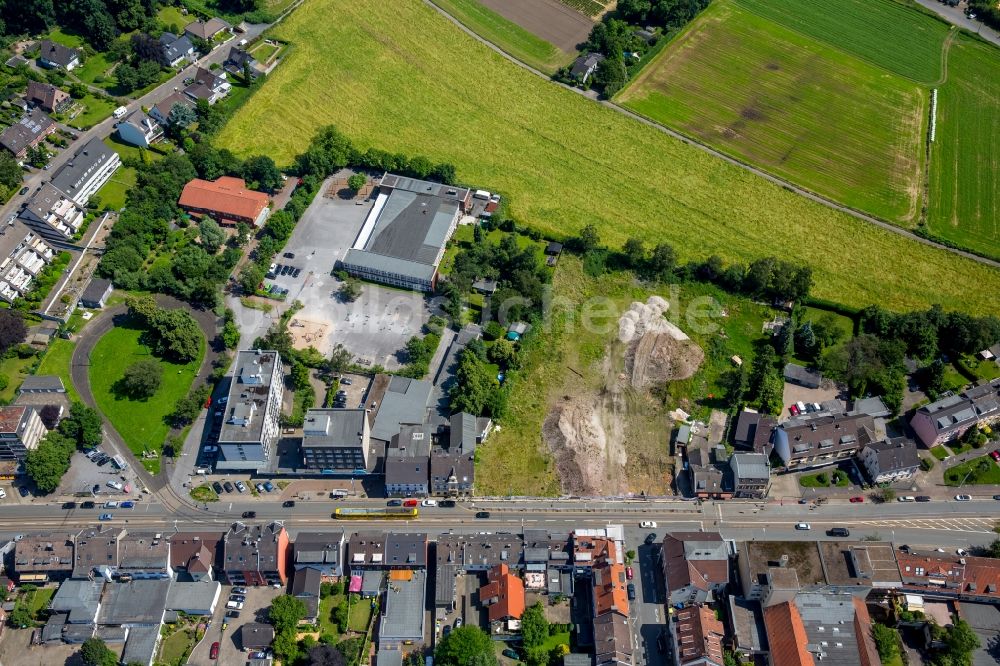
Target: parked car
(128, 504)
(3, 494)
(24, 190)
(346, 382)
(23, 491)
(228, 486)
(111, 505)
(268, 486)
(648, 524)
(510, 654)
(906, 498)
(288, 504)
(803, 526)
(995, 455)
(961, 552)
(838, 532)
(458, 622)
(213, 652)
(88, 505)
(235, 605)
(923, 498)
(394, 502)
(996, 497)
(217, 487)
(629, 573)
(857, 500)
(241, 487)
(237, 597)
(289, 255)
(448, 504)
(232, 614)
(410, 503)
(482, 514)
(69, 505)
(630, 589)
(793, 410)
(259, 487)
(295, 272)
(249, 514)
(239, 590)
(105, 516)
(429, 502)
(963, 498)
(117, 485)
(650, 538)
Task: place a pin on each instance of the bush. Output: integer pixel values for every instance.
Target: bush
(926, 464)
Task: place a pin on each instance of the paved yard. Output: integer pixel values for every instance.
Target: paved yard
(230, 652)
(794, 393)
(16, 650)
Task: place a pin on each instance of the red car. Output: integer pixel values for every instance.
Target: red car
(213, 653)
(628, 572)
(410, 502)
(857, 500)
(794, 410)
(995, 455)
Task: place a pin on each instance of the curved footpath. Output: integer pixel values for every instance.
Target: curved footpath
(79, 373)
(808, 194)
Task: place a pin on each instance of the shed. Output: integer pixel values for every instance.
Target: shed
(96, 294)
(796, 374)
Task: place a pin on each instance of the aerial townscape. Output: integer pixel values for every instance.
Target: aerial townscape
(499, 333)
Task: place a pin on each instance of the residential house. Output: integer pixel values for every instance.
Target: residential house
(405, 550)
(251, 422)
(822, 440)
(695, 567)
(176, 49)
(41, 384)
(138, 129)
(144, 556)
(707, 473)
(796, 374)
(87, 171)
(612, 640)
(786, 635)
(160, 112)
(753, 431)
(477, 553)
(453, 470)
(47, 97)
(21, 430)
(206, 30)
(255, 555)
(890, 460)
(306, 586)
(816, 627)
(79, 600)
(52, 214)
(502, 595)
(256, 636)
(585, 66)
(18, 270)
(365, 551)
(751, 475)
(944, 576)
(950, 417)
(96, 551)
(56, 56)
(407, 462)
(207, 86)
(322, 551)
(337, 440)
(193, 554)
(194, 598)
(226, 199)
(402, 621)
(240, 62)
(27, 133)
(96, 294)
(43, 557)
(697, 637)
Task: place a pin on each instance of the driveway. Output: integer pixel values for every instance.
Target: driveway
(258, 601)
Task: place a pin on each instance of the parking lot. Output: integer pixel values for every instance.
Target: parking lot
(376, 326)
(258, 600)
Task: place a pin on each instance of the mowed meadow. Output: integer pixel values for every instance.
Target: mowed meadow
(814, 115)
(965, 157)
(401, 77)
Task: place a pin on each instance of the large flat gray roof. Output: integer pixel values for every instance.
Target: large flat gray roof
(405, 401)
(403, 617)
(135, 602)
(334, 427)
(244, 413)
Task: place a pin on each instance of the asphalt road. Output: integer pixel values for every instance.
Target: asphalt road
(956, 16)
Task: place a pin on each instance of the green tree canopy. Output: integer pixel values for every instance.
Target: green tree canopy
(212, 235)
(142, 379)
(465, 646)
(95, 652)
(47, 463)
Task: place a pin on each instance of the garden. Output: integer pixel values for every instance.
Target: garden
(837, 478)
(976, 472)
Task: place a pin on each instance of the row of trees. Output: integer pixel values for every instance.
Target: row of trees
(928, 334)
(99, 21)
(47, 463)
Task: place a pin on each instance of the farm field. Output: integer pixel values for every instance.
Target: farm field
(964, 204)
(499, 23)
(564, 161)
(797, 108)
(891, 34)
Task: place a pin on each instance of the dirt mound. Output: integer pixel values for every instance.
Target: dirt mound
(656, 350)
(576, 435)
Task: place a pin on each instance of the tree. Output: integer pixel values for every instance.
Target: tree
(503, 353)
(356, 182)
(12, 329)
(180, 117)
(20, 616)
(10, 171)
(886, 641)
(340, 359)
(588, 239)
(230, 335)
(634, 252)
(261, 169)
(326, 655)
(285, 612)
(142, 379)
(212, 236)
(47, 463)
(465, 646)
(663, 261)
(83, 426)
(96, 653)
(534, 632)
(37, 156)
(350, 290)
(250, 278)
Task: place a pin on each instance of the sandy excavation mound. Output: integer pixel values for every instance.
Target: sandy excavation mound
(575, 433)
(656, 350)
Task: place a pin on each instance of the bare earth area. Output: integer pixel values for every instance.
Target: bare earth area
(551, 20)
(613, 439)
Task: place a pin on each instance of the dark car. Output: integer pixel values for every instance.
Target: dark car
(395, 502)
(650, 538)
(228, 486)
(88, 505)
(448, 504)
(217, 487)
(510, 654)
(289, 255)
(295, 272)
(923, 498)
(23, 492)
(482, 514)
(288, 504)
(232, 614)
(249, 514)
(69, 505)
(630, 588)
(838, 532)
(285, 270)
(24, 190)
(346, 382)
(96, 489)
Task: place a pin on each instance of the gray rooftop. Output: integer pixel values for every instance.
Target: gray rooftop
(26, 131)
(244, 415)
(187, 595)
(334, 428)
(78, 597)
(403, 615)
(318, 547)
(42, 383)
(143, 551)
(135, 602)
(371, 581)
(898, 453)
(750, 466)
(393, 658)
(463, 433)
(406, 550)
(96, 546)
(88, 159)
(251, 548)
(95, 290)
(256, 635)
(822, 614)
(306, 582)
(405, 401)
(44, 200)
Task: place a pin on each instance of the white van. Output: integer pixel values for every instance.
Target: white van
(802, 407)
(120, 112)
(906, 498)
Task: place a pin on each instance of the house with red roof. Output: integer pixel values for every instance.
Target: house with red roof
(226, 199)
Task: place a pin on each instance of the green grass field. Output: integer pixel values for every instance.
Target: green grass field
(57, 362)
(563, 160)
(796, 107)
(58, 36)
(98, 108)
(113, 192)
(139, 422)
(171, 17)
(506, 34)
(94, 66)
(889, 33)
(976, 472)
(965, 157)
(15, 369)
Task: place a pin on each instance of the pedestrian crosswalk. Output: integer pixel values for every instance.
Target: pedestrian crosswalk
(956, 524)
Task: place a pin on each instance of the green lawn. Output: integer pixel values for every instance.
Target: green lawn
(40, 598)
(15, 369)
(94, 66)
(509, 36)
(114, 191)
(276, 7)
(563, 160)
(554, 641)
(939, 452)
(98, 108)
(976, 472)
(175, 646)
(360, 614)
(57, 361)
(892, 34)
(983, 369)
(171, 17)
(794, 106)
(825, 479)
(838, 321)
(263, 51)
(326, 606)
(140, 423)
(128, 151)
(953, 379)
(964, 196)
(58, 36)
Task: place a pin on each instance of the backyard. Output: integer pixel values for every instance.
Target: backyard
(976, 472)
(114, 192)
(57, 362)
(142, 423)
(96, 109)
(15, 369)
(575, 175)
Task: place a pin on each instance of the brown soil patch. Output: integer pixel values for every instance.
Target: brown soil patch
(551, 20)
